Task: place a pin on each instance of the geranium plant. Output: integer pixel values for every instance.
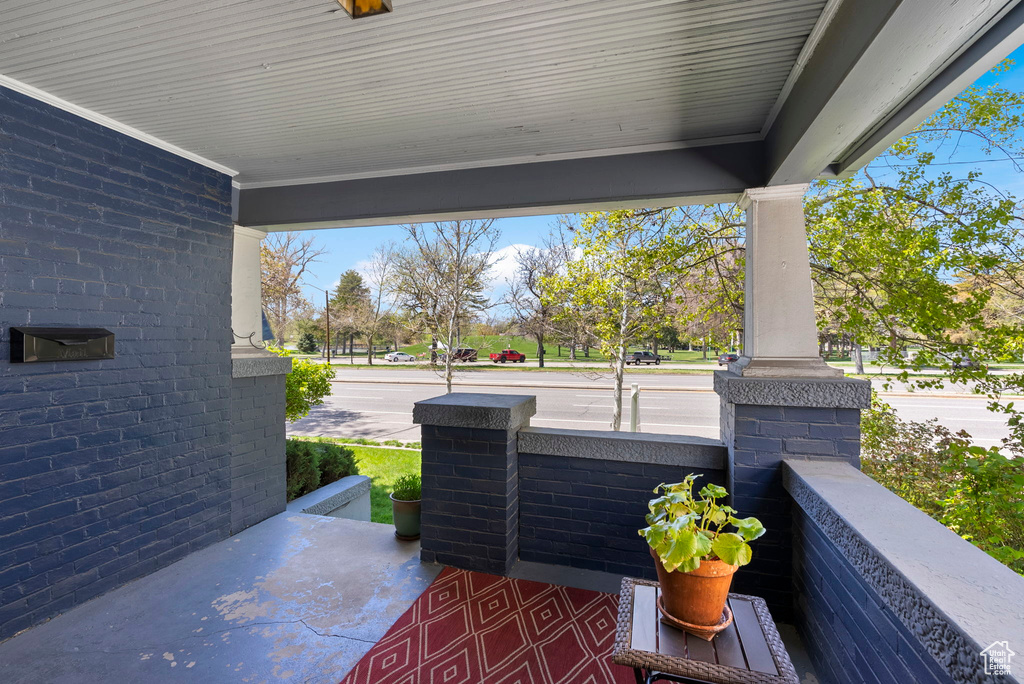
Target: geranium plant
(684, 529)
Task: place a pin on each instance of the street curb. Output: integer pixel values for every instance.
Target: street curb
(491, 384)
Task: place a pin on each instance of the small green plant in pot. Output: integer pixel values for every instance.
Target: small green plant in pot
(695, 553)
(405, 506)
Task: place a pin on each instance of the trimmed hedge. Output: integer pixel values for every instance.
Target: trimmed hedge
(310, 465)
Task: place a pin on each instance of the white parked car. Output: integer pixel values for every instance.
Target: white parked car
(392, 357)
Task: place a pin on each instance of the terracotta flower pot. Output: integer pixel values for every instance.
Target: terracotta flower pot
(697, 597)
(407, 518)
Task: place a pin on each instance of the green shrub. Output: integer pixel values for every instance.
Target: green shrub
(301, 471)
(335, 463)
(307, 343)
(976, 492)
(407, 487)
(908, 457)
(305, 387)
(985, 503)
(313, 464)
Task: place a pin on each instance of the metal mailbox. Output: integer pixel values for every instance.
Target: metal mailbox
(32, 345)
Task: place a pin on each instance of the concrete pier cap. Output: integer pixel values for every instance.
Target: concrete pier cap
(476, 410)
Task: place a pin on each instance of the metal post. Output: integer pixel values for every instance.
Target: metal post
(327, 312)
(634, 408)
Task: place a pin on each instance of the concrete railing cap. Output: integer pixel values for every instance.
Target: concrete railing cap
(634, 447)
(955, 597)
(258, 363)
(474, 410)
(810, 392)
(331, 496)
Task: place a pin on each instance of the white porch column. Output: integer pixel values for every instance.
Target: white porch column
(246, 293)
(779, 331)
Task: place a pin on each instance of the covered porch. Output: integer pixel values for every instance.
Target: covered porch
(146, 152)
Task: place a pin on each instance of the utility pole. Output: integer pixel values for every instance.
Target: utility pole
(327, 313)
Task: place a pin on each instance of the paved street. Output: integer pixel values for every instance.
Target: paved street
(378, 404)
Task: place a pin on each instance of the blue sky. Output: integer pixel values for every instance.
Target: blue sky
(349, 247)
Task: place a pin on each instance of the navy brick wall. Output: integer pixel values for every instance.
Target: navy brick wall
(108, 469)
(761, 437)
(470, 514)
(850, 634)
(585, 513)
(257, 450)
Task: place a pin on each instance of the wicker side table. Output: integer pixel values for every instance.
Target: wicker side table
(750, 651)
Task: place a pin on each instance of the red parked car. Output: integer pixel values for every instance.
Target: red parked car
(508, 355)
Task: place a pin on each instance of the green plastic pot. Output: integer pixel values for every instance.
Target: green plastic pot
(407, 518)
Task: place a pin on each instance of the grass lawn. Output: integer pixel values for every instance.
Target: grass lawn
(383, 467)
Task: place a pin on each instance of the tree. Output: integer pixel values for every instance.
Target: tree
(532, 313)
(440, 278)
(284, 259)
(347, 308)
(351, 290)
(911, 254)
(378, 304)
(307, 343)
(906, 255)
(709, 295)
(311, 327)
(621, 282)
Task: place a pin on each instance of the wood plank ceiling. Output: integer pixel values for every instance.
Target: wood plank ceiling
(292, 90)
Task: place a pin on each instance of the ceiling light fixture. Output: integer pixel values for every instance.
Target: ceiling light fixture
(357, 9)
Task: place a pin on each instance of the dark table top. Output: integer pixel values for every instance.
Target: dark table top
(747, 651)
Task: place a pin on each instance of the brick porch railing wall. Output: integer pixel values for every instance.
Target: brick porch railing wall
(765, 421)
(496, 491)
(583, 494)
(257, 447)
(882, 589)
(470, 510)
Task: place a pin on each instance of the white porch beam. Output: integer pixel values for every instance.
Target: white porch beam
(779, 331)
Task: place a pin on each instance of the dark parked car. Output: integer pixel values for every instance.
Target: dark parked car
(462, 354)
(638, 357)
(727, 358)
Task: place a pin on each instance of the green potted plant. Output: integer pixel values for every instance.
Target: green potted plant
(694, 554)
(405, 507)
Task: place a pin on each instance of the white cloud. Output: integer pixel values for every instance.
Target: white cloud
(503, 265)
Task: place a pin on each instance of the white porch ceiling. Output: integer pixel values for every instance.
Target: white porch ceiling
(289, 91)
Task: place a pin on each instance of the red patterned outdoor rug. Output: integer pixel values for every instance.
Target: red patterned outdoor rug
(471, 628)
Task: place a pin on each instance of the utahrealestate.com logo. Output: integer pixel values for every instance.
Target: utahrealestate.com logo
(997, 658)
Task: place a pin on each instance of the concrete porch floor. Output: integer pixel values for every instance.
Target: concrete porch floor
(295, 598)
